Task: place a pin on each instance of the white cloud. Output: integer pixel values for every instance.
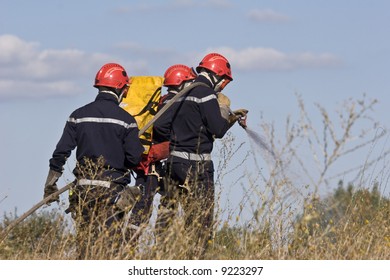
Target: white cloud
(27, 70)
(267, 15)
(13, 49)
(14, 89)
(268, 59)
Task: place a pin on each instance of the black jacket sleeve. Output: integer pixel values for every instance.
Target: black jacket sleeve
(211, 115)
(64, 147)
(133, 148)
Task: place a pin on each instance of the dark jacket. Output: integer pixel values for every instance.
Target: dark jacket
(100, 129)
(162, 126)
(196, 119)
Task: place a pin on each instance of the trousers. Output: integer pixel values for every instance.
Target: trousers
(191, 186)
(98, 221)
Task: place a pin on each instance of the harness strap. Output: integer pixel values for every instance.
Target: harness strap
(169, 103)
(149, 106)
(153, 171)
(186, 184)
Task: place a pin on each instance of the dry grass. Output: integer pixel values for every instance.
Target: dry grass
(361, 230)
(289, 206)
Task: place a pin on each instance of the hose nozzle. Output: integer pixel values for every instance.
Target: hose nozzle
(242, 116)
(242, 122)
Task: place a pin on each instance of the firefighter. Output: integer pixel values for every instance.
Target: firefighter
(200, 117)
(150, 172)
(107, 142)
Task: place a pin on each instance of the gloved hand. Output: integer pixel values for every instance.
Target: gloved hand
(223, 100)
(129, 197)
(240, 112)
(236, 115)
(50, 185)
(159, 151)
(233, 118)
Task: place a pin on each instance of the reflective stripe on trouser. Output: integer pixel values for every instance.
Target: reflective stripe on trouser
(99, 183)
(191, 156)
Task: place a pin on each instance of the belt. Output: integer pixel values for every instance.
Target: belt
(190, 156)
(99, 183)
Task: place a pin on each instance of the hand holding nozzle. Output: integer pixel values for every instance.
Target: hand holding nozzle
(240, 116)
(232, 116)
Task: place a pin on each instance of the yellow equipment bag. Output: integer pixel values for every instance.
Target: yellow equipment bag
(142, 101)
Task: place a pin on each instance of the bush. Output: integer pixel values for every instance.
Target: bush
(43, 235)
(350, 224)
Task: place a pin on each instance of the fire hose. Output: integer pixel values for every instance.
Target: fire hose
(17, 221)
(241, 121)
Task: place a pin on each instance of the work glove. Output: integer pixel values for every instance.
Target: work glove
(223, 100)
(129, 197)
(237, 115)
(159, 151)
(232, 119)
(50, 185)
(240, 112)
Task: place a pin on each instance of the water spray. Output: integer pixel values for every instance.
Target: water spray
(254, 136)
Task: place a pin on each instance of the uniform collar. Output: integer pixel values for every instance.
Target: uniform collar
(107, 96)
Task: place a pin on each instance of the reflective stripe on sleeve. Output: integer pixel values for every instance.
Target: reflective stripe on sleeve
(198, 100)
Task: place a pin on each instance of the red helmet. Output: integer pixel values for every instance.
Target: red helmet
(111, 75)
(177, 74)
(216, 63)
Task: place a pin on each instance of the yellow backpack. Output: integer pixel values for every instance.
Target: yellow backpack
(142, 101)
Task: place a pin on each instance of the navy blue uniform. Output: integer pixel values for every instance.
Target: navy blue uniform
(195, 121)
(162, 126)
(101, 129)
(106, 137)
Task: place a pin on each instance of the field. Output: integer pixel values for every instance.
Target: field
(299, 207)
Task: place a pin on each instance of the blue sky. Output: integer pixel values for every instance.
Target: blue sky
(50, 51)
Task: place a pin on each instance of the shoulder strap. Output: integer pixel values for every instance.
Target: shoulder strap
(169, 104)
(150, 104)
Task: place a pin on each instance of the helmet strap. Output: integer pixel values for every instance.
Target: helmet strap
(173, 89)
(207, 75)
(120, 97)
(123, 93)
(214, 79)
(222, 84)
